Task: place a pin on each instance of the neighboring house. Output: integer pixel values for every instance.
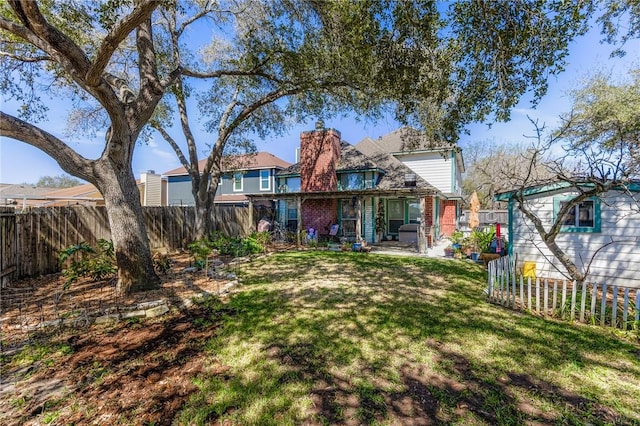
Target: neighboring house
(486, 219)
(373, 190)
(244, 174)
(603, 232)
(23, 196)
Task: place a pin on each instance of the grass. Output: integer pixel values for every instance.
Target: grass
(347, 338)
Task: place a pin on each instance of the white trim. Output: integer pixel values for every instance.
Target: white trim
(268, 188)
(241, 181)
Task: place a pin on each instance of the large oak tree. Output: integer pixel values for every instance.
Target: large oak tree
(73, 46)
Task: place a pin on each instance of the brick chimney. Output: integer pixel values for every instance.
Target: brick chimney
(319, 154)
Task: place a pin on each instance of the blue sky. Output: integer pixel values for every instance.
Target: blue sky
(20, 162)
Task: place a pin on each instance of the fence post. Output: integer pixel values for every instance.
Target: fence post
(594, 296)
(537, 295)
(614, 308)
(625, 308)
(512, 266)
(637, 315)
(522, 305)
(555, 297)
(546, 297)
(583, 301)
(490, 279)
(573, 300)
(603, 304)
(564, 298)
(529, 294)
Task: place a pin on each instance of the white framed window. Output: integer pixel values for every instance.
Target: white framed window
(237, 182)
(265, 180)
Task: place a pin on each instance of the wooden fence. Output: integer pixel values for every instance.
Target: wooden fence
(595, 303)
(30, 242)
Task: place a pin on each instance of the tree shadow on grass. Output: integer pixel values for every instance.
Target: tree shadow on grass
(365, 339)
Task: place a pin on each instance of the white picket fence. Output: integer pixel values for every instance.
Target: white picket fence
(594, 303)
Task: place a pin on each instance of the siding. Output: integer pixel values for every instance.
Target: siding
(616, 263)
(432, 167)
(179, 187)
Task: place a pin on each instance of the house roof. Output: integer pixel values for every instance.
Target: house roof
(10, 190)
(558, 186)
(394, 169)
(86, 190)
(408, 139)
(259, 160)
(350, 160)
(368, 156)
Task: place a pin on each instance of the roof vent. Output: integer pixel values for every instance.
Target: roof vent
(409, 179)
(151, 172)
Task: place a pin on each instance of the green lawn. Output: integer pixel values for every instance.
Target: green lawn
(347, 338)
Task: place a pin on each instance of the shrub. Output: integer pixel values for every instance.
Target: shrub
(82, 260)
(200, 250)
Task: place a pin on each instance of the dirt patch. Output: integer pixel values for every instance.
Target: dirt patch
(131, 372)
(144, 368)
(29, 304)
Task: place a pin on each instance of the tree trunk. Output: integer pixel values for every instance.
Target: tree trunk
(130, 241)
(204, 201)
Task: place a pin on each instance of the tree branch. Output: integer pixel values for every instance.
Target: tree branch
(110, 43)
(68, 159)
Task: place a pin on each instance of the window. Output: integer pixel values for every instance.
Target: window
(395, 214)
(290, 184)
(414, 212)
(292, 216)
(237, 182)
(583, 217)
(265, 180)
(350, 181)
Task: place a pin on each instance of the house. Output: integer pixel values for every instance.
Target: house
(486, 219)
(602, 233)
(242, 174)
(22, 196)
(375, 190)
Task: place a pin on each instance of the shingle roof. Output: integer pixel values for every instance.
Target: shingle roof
(395, 171)
(406, 139)
(368, 155)
(350, 159)
(259, 160)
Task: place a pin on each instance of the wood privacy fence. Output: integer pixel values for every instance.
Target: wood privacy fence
(605, 304)
(31, 241)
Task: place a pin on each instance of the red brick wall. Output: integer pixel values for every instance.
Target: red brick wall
(447, 217)
(319, 214)
(428, 211)
(319, 153)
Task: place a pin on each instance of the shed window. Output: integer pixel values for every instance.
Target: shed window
(583, 217)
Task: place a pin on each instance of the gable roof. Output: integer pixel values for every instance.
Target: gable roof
(407, 139)
(350, 160)
(394, 169)
(259, 160)
(368, 156)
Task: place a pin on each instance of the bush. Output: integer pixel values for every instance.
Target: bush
(82, 260)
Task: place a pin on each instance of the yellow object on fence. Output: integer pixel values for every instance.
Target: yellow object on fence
(529, 270)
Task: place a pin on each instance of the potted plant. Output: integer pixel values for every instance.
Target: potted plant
(448, 251)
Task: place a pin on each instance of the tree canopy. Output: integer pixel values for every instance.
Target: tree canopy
(59, 181)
